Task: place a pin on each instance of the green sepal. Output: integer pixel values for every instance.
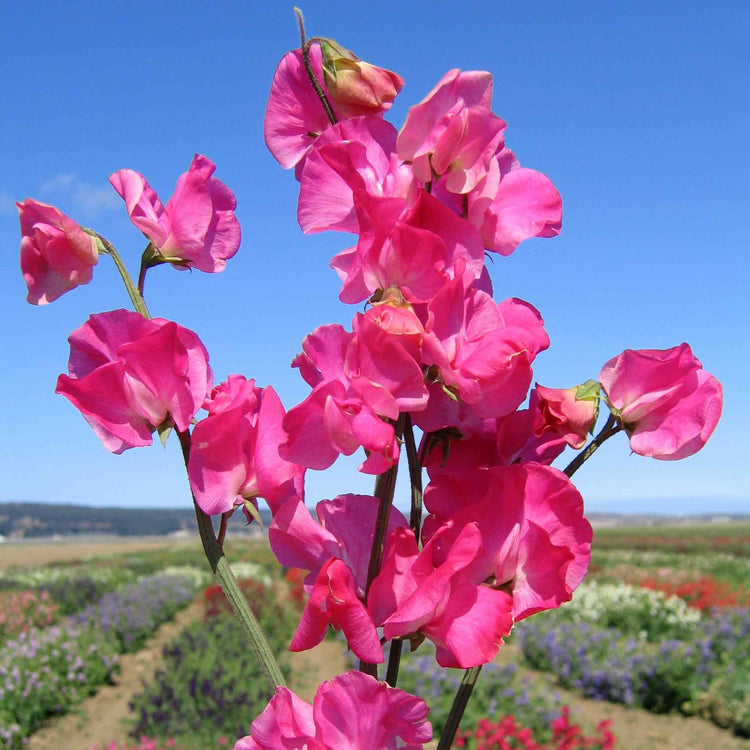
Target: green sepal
(164, 429)
(588, 391)
(253, 512)
(152, 257)
(591, 390)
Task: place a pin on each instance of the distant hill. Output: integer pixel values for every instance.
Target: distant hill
(21, 520)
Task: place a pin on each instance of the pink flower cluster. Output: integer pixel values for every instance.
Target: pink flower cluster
(505, 535)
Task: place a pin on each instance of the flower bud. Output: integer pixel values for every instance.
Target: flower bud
(357, 87)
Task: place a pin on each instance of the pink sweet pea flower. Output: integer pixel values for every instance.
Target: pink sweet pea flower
(128, 375)
(359, 380)
(336, 551)
(482, 352)
(351, 712)
(235, 450)
(539, 545)
(417, 248)
(197, 228)
(452, 131)
(56, 254)
(295, 116)
(667, 403)
(511, 204)
(355, 155)
(435, 594)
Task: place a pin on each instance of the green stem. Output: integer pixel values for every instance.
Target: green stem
(415, 476)
(232, 591)
(415, 522)
(394, 662)
(459, 706)
(305, 49)
(107, 248)
(385, 486)
(612, 427)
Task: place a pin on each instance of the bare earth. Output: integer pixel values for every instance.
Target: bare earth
(43, 552)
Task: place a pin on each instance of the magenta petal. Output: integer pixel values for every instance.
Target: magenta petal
(298, 541)
(287, 721)
(470, 629)
(142, 203)
(674, 433)
(294, 115)
(217, 466)
(334, 601)
(351, 519)
(105, 404)
(527, 204)
(356, 712)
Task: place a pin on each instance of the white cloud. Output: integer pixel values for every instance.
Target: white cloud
(7, 204)
(90, 199)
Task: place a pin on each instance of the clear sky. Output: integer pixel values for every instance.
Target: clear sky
(637, 111)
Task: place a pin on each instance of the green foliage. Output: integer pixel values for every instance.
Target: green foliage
(726, 702)
(46, 672)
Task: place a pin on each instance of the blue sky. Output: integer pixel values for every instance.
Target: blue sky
(637, 111)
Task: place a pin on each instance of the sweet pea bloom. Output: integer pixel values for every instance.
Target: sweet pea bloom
(359, 380)
(295, 116)
(512, 203)
(535, 540)
(336, 551)
(197, 228)
(235, 450)
(129, 375)
(667, 403)
(56, 254)
(480, 353)
(351, 712)
(452, 131)
(434, 594)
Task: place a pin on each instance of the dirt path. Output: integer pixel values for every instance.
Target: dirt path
(99, 720)
(310, 668)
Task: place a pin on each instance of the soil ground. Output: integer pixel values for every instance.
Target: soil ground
(43, 552)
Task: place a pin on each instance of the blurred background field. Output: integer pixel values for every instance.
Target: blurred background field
(128, 643)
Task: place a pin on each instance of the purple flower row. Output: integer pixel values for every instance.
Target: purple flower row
(607, 665)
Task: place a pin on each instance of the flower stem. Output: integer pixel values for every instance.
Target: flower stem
(305, 49)
(107, 248)
(394, 662)
(612, 427)
(233, 593)
(385, 486)
(415, 476)
(415, 522)
(459, 706)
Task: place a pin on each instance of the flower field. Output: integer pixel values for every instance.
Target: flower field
(634, 635)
